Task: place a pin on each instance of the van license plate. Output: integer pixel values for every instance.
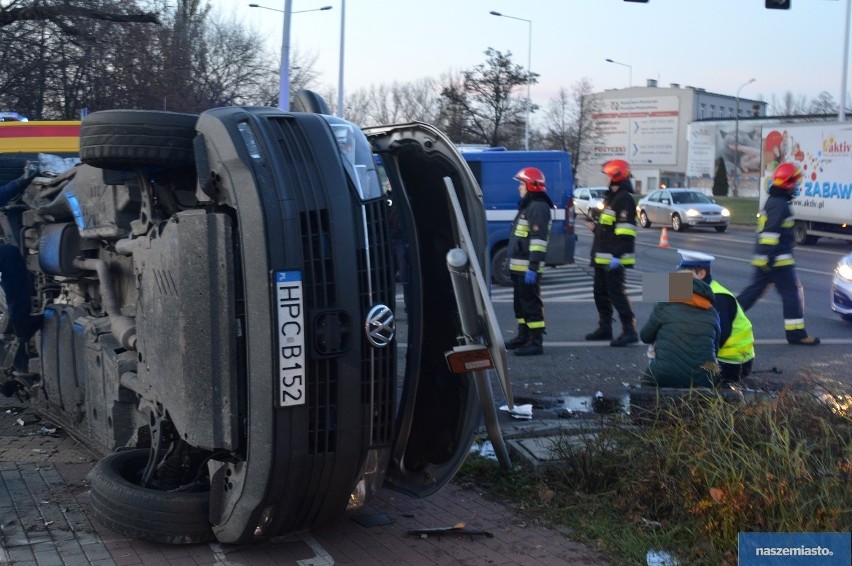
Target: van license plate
(291, 338)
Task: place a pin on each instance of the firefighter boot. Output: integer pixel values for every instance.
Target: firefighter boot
(522, 338)
(603, 331)
(534, 346)
(628, 334)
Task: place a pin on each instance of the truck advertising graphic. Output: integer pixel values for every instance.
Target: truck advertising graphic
(823, 151)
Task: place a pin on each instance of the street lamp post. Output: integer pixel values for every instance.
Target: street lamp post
(845, 71)
(340, 63)
(629, 116)
(529, 75)
(284, 85)
(737, 139)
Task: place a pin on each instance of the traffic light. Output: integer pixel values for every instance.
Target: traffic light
(778, 4)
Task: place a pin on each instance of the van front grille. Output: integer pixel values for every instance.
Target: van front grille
(376, 274)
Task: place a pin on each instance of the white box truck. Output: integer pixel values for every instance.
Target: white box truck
(823, 151)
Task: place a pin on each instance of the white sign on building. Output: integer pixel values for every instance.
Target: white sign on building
(648, 125)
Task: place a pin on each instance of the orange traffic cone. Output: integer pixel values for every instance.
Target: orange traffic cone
(664, 238)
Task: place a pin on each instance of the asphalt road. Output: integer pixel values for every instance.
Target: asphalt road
(572, 370)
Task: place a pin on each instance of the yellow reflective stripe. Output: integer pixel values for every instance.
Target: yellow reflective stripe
(536, 324)
(607, 217)
(535, 248)
(794, 324)
(760, 260)
(788, 224)
(522, 231)
(518, 264)
(628, 260)
(521, 321)
(783, 260)
(602, 258)
(625, 230)
(768, 238)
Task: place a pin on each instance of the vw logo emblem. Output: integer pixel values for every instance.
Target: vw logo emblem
(380, 326)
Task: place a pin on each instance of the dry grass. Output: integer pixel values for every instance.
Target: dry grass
(693, 474)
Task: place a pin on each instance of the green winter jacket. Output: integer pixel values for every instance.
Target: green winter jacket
(686, 338)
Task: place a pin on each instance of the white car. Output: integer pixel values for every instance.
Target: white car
(588, 202)
(841, 288)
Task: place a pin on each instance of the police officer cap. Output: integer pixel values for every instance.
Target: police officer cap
(695, 259)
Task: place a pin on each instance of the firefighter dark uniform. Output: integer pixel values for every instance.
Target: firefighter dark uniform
(773, 260)
(736, 350)
(527, 252)
(612, 251)
(15, 279)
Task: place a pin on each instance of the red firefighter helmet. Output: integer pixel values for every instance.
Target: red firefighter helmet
(617, 170)
(533, 178)
(786, 176)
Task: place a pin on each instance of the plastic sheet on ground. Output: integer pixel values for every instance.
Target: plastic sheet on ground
(519, 412)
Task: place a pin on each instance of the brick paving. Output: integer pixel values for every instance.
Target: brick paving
(45, 520)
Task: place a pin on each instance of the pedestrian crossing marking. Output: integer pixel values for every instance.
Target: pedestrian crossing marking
(571, 284)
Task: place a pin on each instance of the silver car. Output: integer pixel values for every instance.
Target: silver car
(682, 209)
(841, 288)
(588, 202)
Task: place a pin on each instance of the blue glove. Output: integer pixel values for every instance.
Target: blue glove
(615, 263)
(530, 277)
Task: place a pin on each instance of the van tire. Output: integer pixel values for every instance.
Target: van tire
(500, 267)
(801, 236)
(130, 139)
(120, 504)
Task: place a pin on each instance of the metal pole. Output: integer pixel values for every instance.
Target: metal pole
(529, 74)
(529, 82)
(284, 88)
(340, 64)
(842, 115)
(629, 116)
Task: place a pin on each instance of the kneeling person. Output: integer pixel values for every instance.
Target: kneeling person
(685, 335)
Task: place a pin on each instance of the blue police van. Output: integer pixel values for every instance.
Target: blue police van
(494, 169)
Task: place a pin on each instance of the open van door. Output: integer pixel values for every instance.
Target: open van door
(439, 410)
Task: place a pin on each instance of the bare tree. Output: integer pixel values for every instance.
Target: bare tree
(394, 103)
(823, 104)
(192, 61)
(66, 14)
(494, 115)
(788, 105)
(568, 122)
(451, 116)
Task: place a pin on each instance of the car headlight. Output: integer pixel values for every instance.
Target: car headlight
(599, 206)
(726, 212)
(692, 213)
(844, 270)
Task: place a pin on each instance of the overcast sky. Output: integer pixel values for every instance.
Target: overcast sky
(714, 44)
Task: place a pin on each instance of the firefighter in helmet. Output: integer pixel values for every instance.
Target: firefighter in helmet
(612, 252)
(773, 259)
(527, 252)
